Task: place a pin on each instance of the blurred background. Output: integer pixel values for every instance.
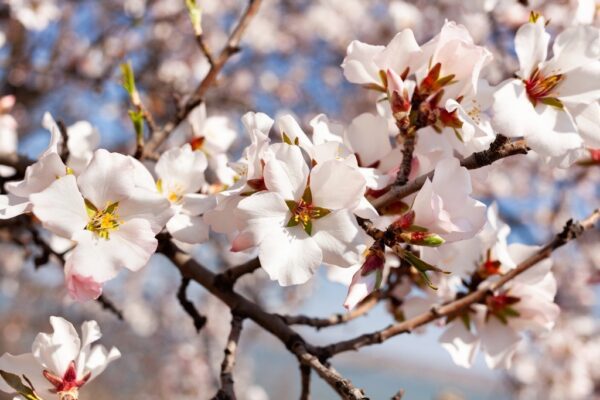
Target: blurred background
(63, 56)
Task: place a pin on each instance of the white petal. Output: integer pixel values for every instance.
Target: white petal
(574, 47)
(98, 359)
(336, 185)
(339, 237)
(56, 351)
(587, 119)
(261, 213)
(188, 229)
(289, 255)
(499, 343)
(147, 205)
(531, 46)
(38, 176)
(181, 170)
(108, 178)
(12, 206)
(28, 365)
(359, 66)
(197, 204)
(61, 208)
(289, 126)
(460, 343)
(287, 172)
(368, 137)
(582, 85)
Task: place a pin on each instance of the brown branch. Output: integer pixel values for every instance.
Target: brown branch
(502, 147)
(109, 306)
(408, 149)
(64, 151)
(188, 306)
(231, 48)
(239, 305)
(227, 391)
(230, 276)
(205, 49)
(363, 308)
(399, 395)
(571, 231)
(305, 382)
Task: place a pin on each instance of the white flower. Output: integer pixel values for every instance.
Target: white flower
(553, 97)
(60, 363)
(8, 133)
(38, 176)
(524, 303)
(444, 205)
(83, 140)
(180, 174)
(112, 215)
(34, 14)
(297, 225)
(366, 64)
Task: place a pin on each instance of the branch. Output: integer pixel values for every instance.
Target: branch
(364, 307)
(305, 382)
(64, 151)
(399, 395)
(205, 50)
(239, 305)
(227, 391)
(188, 306)
(572, 230)
(109, 306)
(408, 148)
(501, 147)
(230, 276)
(231, 48)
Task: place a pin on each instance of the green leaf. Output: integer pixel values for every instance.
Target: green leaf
(128, 78)
(137, 117)
(422, 267)
(15, 382)
(195, 14)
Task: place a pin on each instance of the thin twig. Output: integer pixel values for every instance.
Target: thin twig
(399, 395)
(408, 148)
(188, 306)
(230, 276)
(305, 382)
(205, 49)
(502, 147)
(231, 48)
(227, 392)
(64, 151)
(571, 231)
(109, 306)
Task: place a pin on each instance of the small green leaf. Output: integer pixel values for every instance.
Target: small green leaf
(195, 14)
(137, 117)
(15, 382)
(128, 78)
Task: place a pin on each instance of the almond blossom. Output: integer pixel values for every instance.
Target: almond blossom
(111, 215)
(444, 205)
(59, 364)
(554, 103)
(525, 303)
(180, 174)
(38, 176)
(304, 217)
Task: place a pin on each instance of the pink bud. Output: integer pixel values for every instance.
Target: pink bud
(395, 83)
(242, 241)
(366, 279)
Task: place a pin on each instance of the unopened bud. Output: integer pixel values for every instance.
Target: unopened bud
(405, 221)
(422, 238)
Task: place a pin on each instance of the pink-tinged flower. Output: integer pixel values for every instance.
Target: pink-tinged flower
(298, 223)
(367, 65)
(458, 56)
(38, 176)
(180, 173)
(110, 212)
(495, 326)
(444, 205)
(368, 278)
(553, 104)
(60, 363)
(485, 253)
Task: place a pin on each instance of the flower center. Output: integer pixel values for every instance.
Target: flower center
(304, 211)
(67, 386)
(540, 88)
(500, 306)
(103, 221)
(197, 143)
(174, 194)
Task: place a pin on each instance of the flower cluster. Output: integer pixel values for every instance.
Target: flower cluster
(325, 193)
